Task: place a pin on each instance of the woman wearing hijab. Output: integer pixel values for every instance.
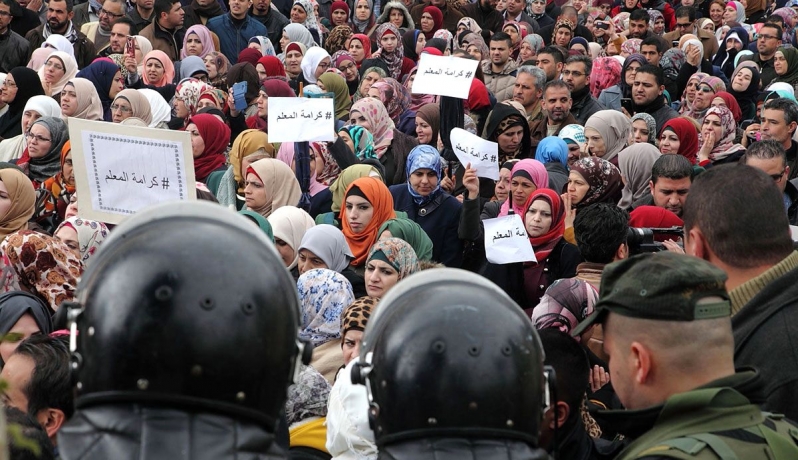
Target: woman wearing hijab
(315, 62)
(270, 66)
(107, 80)
(270, 184)
(158, 69)
(289, 225)
(502, 125)
(679, 137)
(42, 159)
(397, 102)
(688, 96)
(41, 265)
(593, 180)
(431, 21)
(271, 87)
(410, 232)
(193, 67)
(413, 41)
(79, 99)
(302, 14)
(324, 246)
(553, 153)
(21, 315)
(724, 99)
(217, 65)
(82, 236)
(745, 88)
(363, 19)
(635, 163)
(369, 74)
(20, 84)
(131, 103)
(338, 39)
(345, 63)
(607, 133)
(186, 100)
(611, 97)
(359, 47)
(160, 111)
(427, 204)
(516, 32)
(717, 138)
(209, 139)
(428, 123)
(644, 128)
(390, 261)
(391, 51)
(61, 186)
(197, 42)
(58, 69)
(228, 186)
(786, 64)
(368, 204)
(35, 108)
(735, 41)
(324, 294)
(21, 201)
(391, 146)
(544, 221)
(339, 15)
(566, 303)
(606, 73)
(332, 83)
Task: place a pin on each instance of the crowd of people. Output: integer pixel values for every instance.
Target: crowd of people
(621, 127)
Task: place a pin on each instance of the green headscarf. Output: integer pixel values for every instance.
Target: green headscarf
(347, 176)
(260, 221)
(791, 55)
(334, 83)
(380, 71)
(412, 233)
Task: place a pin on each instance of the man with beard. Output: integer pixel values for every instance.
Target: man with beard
(166, 31)
(484, 12)
(647, 96)
(235, 29)
(515, 12)
(274, 21)
(59, 21)
(767, 42)
(201, 11)
(671, 177)
(551, 60)
(577, 76)
(557, 104)
(123, 28)
(100, 32)
(13, 48)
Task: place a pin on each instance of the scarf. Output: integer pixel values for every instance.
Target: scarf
(375, 191)
(363, 26)
(337, 85)
(416, 100)
(345, 179)
(437, 20)
(337, 39)
(168, 67)
(626, 90)
(204, 35)
(330, 171)
(431, 114)
(544, 244)
(43, 168)
(725, 146)
(282, 188)
(412, 233)
(216, 136)
(69, 65)
(606, 72)
(424, 157)
(357, 314)
(310, 16)
(552, 150)
(247, 143)
(791, 55)
(28, 85)
(398, 254)
(381, 124)
(394, 96)
(687, 105)
(298, 33)
(651, 124)
(310, 62)
(603, 178)
(327, 243)
(138, 103)
(362, 140)
(89, 105)
(23, 201)
(654, 217)
(71, 33)
(409, 40)
(365, 43)
(91, 234)
(613, 127)
(289, 224)
(688, 137)
(307, 399)
(14, 305)
(732, 105)
(393, 59)
(635, 163)
(534, 171)
(566, 303)
(189, 91)
(749, 94)
(324, 294)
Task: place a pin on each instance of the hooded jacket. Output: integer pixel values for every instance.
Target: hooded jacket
(408, 23)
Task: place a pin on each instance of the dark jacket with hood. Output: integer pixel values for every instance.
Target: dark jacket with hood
(659, 110)
(584, 105)
(725, 59)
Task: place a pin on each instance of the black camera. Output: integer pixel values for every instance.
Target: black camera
(642, 240)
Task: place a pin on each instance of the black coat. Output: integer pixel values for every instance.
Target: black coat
(461, 448)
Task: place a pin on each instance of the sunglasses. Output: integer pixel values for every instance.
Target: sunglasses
(705, 89)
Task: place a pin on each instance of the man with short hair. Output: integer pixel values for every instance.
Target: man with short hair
(671, 177)
(141, 14)
(485, 14)
(236, 28)
(651, 49)
(166, 31)
(638, 24)
(769, 156)
(122, 29)
(528, 89)
(779, 121)
(59, 21)
(99, 32)
(768, 41)
(498, 68)
(752, 245)
(556, 103)
(13, 47)
(686, 24)
(270, 17)
(514, 11)
(669, 338)
(201, 11)
(450, 15)
(551, 60)
(577, 76)
(569, 13)
(39, 383)
(647, 89)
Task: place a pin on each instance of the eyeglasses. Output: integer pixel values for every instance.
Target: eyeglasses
(777, 177)
(346, 67)
(108, 13)
(36, 137)
(705, 89)
(567, 73)
(684, 26)
(9, 84)
(54, 65)
(768, 37)
(324, 65)
(121, 108)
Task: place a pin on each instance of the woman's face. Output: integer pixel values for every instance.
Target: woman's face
(324, 64)
(351, 345)
(389, 42)
(356, 50)
(154, 70)
(690, 89)
(510, 140)
(659, 26)
(347, 140)
(712, 124)
(380, 277)
(397, 18)
(308, 261)
(72, 207)
(577, 187)
(339, 17)
(28, 117)
(502, 189)
(780, 63)
(579, 48)
(117, 85)
(362, 11)
(423, 181)
(357, 118)
(210, 66)
(474, 51)
(286, 252)
(67, 235)
(193, 45)
(197, 143)
(254, 192)
(538, 218)
(374, 93)
(742, 80)
(427, 23)
(631, 71)
(358, 213)
(68, 169)
(263, 104)
(9, 90)
(261, 71)
(595, 143)
(24, 327)
(423, 131)
(121, 110)
(349, 68)
(668, 142)
(716, 13)
(729, 15)
(703, 96)
(39, 141)
(709, 27)
(293, 59)
(69, 101)
(53, 70)
(513, 33)
(5, 200)
(640, 131)
(298, 14)
(421, 42)
(369, 79)
(521, 188)
(563, 36)
(526, 52)
(181, 109)
(284, 41)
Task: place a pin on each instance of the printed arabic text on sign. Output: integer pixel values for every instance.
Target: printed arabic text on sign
(483, 155)
(298, 119)
(506, 240)
(444, 76)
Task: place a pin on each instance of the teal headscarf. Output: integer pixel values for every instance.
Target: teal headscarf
(362, 140)
(260, 221)
(412, 233)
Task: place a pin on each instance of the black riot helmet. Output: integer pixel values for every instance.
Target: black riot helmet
(187, 305)
(448, 353)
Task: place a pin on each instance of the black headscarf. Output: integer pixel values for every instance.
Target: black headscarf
(244, 71)
(409, 40)
(28, 85)
(499, 113)
(14, 304)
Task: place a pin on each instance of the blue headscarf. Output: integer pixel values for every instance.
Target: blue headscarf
(552, 149)
(101, 73)
(424, 156)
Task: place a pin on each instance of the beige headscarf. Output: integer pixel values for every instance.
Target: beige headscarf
(139, 103)
(23, 199)
(89, 105)
(289, 224)
(249, 141)
(635, 163)
(614, 128)
(282, 188)
(70, 70)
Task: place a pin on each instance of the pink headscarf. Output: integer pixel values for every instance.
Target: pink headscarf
(536, 172)
(205, 38)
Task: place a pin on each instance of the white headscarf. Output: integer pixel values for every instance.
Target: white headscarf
(60, 43)
(349, 436)
(161, 112)
(311, 61)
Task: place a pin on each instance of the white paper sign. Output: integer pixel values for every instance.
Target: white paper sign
(483, 155)
(794, 232)
(121, 169)
(506, 240)
(298, 119)
(444, 76)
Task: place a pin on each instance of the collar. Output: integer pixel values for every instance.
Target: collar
(590, 267)
(579, 97)
(536, 111)
(159, 28)
(655, 105)
(742, 294)
(516, 19)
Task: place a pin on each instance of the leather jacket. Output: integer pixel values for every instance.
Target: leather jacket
(136, 432)
(461, 448)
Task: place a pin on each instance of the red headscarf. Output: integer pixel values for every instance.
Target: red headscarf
(688, 137)
(338, 5)
(544, 244)
(364, 40)
(216, 136)
(437, 20)
(478, 97)
(273, 66)
(250, 55)
(732, 104)
(273, 87)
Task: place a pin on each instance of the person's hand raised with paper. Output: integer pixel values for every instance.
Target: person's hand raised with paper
(471, 182)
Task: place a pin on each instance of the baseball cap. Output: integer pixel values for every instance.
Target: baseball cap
(661, 286)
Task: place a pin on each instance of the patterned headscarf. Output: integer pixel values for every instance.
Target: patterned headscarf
(398, 254)
(671, 61)
(790, 18)
(654, 15)
(362, 140)
(42, 265)
(307, 398)
(189, 91)
(631, 46)
(614, 129)
(424, 157)
(566, 303)
(470, 24)
(562, 22)
(337, 39)
(394, 59)
(603, 178)
(687, 106)
(574, 133)
(324, 295)
(331, 170)
(381, 124)
(651, 124)
(91, 234)
(266, 46)
(22, 196)
(606, 72)
(357, 315)
(725, 145)
(394, 96)
(310, 19)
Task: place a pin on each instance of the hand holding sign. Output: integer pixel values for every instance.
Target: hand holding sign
(298, 119)
(506, 240)
(444, 76)
(483, 155)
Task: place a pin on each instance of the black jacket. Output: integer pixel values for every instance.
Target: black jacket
(275, 22)
(459, 449)
(792, 212)
(85, 52)
(584, 105)
(486, 19)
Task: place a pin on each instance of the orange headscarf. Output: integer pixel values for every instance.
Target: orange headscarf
(379, 196)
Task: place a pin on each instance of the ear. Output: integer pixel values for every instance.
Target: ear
(695, 244)
(560, 65)
(622, 252)
(51, 420)
(793, 125)
(563, 412)
(651, 187)
(641, 362)
(661, 89)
